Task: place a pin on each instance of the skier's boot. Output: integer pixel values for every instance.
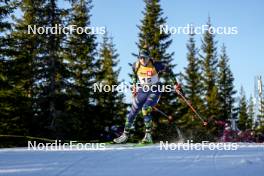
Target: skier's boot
(148, 126)
(123, 138)
(147, 138)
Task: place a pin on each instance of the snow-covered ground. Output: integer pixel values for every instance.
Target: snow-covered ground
(118, 160)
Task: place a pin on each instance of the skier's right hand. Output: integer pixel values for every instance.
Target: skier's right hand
(177, 87)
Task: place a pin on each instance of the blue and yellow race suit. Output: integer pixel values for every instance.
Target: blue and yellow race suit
(147, 75)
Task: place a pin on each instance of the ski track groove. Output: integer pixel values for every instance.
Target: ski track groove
(158, 170)
(90, 164)
(154, 170)
(214, 160)
(63, 170)
(193, 161)
(108, 157)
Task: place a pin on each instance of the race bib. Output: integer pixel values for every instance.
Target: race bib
(149, 80)
(148, 75)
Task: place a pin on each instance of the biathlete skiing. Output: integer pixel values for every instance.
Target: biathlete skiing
(146, 93)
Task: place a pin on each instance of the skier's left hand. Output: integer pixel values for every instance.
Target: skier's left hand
(134, 90)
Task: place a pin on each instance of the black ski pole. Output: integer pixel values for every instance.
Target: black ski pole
(161, 112)
(170, 119)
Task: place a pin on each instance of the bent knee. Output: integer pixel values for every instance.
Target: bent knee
(146, 110)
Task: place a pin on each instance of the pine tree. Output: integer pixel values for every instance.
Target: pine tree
(192, 88)
(209, 67)
(225, 86)
(157, 43)
(112, 107)
(242, 113)
(82, 67)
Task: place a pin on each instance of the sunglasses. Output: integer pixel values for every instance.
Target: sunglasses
(144, 58)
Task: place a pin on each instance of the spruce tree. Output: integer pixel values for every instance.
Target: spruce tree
(112, 107)
(192, 88)
(243, 112)
(209, 74)
(225, 86)
(5, 26)
(260, 122)
(261, 114)
(82, 67)
(10, 119)
(251, 112)
(25, 50)
(6, 8)
(157, 43)
(49, 95)
(17, 61)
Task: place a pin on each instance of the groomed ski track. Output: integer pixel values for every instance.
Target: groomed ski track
(126, 160)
